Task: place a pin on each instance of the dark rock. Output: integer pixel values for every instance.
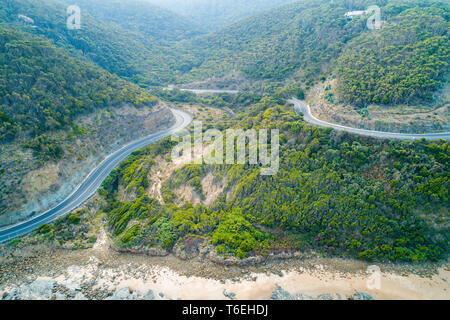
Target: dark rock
(280, 294)
(230, 295)
(361, 296)
(149, 295)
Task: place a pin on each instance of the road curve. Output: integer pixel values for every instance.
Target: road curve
(301, 106)
(93, 181)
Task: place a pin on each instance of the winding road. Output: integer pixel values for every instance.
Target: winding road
(93, 181)
(301, 106)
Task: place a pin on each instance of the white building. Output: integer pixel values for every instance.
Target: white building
(351, 14)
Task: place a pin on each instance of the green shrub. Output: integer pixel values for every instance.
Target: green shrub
(235, 234)
(45, 228)
(131, 233)
(74, 219)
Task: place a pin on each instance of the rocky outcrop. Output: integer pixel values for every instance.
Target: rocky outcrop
(50, 290)
(213, 256)
(43, 290)
(153, 252)
(204, 251)
(280, 294)
(361, 296)
(128, 294)
(37, 290)
(229, 295)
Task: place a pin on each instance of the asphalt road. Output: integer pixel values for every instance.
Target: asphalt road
(301, 106)
(93, 181)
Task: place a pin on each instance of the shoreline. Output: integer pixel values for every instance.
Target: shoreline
(100, 273)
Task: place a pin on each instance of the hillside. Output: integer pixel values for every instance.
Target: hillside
(43, 88)
(128, 54)
(216, 14)
(335, 193)
(140, 17)
(95, 204)
(406, 62)
(298, 39)
(301, 41)
(305, 40)
(58, 117)
(224, 150)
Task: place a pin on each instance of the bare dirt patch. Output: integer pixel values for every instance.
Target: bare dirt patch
(164, 167)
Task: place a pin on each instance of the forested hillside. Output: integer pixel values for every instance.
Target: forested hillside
(52, 106)
(301, 41)
(216, 14)
(336, 193)
(275, 44)
(141, 17)
(406, 62)
(297, 40)
(129, 54)
(42, 88)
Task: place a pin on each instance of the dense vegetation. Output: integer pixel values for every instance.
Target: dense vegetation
(334, 192)
(236, 102)
(300, 41)
(141, 17)
(127, 53)
(337, 193)
(44, 89)
(216, 14)
(275, 44)
(406, 62)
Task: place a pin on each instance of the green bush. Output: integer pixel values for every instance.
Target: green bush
(131, 233)
(74, 219)
(235, 234)
(45, 228)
